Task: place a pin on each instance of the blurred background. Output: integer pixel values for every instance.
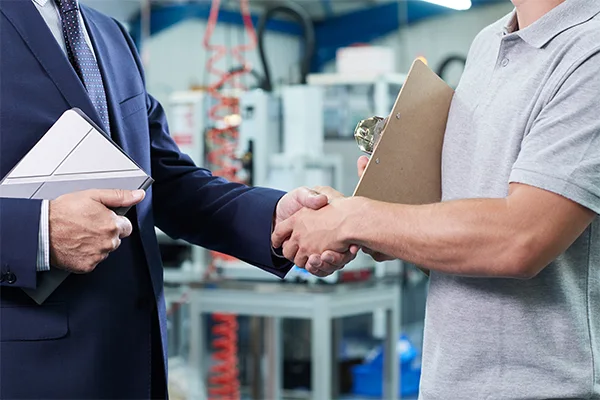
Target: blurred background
(269, 93)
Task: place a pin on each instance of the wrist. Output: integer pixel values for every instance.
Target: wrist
(357, 215)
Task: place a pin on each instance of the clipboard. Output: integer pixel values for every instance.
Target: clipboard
(406, 164)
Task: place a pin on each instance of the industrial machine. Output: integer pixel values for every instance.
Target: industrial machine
(280, 145)
(280, 137)
(291, 137)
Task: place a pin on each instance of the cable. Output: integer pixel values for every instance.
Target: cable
(448, 61)
(309, 39)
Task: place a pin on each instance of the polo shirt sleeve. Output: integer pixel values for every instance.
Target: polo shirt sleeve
(561, 152)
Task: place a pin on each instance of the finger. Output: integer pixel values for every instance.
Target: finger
(290, 249)
(337, 259)
(354, 249)
(125, 227)
(115, 244)
(315, 261)
(283, 231)
(309, 198)
(331, 193)
(317, 272)
(112, 198)
(361, 165)
(329, 268)
(300, 260)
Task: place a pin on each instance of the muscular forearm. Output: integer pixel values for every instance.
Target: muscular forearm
(478, 237)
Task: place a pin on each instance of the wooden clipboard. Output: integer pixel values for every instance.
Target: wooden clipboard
(406, 165)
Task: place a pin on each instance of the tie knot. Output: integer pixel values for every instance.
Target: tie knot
(66, 6)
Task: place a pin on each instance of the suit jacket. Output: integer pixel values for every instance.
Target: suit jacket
(91, 338)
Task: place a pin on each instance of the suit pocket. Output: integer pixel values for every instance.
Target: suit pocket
(133, 105)
(32, 323)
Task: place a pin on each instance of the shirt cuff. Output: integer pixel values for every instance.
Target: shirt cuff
(43, 256)
(276, 252)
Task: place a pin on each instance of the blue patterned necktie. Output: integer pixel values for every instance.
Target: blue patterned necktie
(82, 59)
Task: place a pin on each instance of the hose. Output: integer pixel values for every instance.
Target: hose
(303, 18)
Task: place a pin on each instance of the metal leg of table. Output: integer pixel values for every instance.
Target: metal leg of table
(273, 380)
(337, 340)
(391, 373)
(321, 351)
(256, 352)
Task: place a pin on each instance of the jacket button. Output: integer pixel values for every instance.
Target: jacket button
(11, 278)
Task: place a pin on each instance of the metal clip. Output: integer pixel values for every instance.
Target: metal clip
(368, 132)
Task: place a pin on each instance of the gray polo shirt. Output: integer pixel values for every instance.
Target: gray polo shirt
(527, 110)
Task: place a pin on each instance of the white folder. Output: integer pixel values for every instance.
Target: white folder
(74, 155)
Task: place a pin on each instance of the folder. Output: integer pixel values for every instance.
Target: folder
(74, 155)
(406, 164)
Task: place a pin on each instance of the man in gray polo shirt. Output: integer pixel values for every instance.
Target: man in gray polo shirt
(514, 249)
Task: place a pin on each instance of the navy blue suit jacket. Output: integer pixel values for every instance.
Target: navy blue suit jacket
(91, 338)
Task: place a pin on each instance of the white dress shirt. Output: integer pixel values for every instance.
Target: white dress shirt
(49, 12)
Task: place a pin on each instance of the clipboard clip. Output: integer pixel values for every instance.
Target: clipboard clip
(368, 132)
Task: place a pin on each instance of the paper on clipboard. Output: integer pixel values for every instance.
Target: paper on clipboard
(405, 167)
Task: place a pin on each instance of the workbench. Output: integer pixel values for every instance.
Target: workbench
(323, 305)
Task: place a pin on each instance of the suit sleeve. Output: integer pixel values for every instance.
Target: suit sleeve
(191, 204)
(19, 231)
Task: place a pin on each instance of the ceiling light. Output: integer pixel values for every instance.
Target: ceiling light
(455, 4)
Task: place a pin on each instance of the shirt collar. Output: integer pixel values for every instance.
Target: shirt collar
(556, 21)
(41, 3)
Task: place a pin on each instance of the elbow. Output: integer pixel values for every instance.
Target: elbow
(522, 261)
(524, 271)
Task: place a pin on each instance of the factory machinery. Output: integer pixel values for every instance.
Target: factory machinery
(298, 135)
(283, 137)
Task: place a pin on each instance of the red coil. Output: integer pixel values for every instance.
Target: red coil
(221, 142)
(223, 381)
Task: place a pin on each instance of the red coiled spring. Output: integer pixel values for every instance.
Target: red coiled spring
(223, 381)
(222, 142)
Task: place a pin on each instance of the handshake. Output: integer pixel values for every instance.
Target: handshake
(314, 229)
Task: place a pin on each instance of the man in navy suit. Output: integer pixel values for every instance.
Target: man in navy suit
(101, 334)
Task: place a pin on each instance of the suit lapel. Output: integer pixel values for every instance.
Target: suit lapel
(35, 33)
(101, 48)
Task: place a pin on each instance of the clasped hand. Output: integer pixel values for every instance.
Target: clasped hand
(318, 238)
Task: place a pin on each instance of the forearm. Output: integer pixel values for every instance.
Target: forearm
(477, 237)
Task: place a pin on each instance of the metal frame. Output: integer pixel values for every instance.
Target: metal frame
(323, 305)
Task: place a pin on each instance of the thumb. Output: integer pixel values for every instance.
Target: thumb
(361, 165)
(309, 198)
(112, 198)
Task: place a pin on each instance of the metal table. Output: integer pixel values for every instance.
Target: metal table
(322, 304)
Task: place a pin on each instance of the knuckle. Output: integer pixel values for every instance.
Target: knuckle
(112, 228)
(107, 245)
(89, 267)
(289, 255)
(119, 194)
